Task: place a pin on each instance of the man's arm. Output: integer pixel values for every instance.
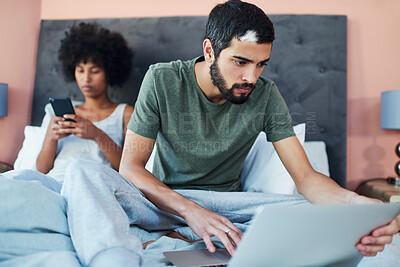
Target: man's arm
(318, 188)
(204, 223)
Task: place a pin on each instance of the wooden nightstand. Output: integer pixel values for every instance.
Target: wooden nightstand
(5, 167)
(379, 188)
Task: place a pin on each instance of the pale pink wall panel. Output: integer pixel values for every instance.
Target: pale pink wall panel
(19, 31)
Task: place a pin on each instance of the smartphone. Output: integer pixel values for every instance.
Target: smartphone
(61, 106)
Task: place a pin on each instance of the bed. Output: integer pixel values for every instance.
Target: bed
(308, 63)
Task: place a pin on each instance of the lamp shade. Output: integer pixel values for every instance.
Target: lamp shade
(3, 99)
(390, 110)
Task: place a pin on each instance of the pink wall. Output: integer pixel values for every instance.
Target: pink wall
(19, 31)
(373, 60)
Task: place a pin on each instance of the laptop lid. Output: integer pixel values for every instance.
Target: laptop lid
(301, 235)
(310, 235)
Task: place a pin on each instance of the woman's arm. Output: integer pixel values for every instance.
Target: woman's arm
(127, 116)
(45, 160)
(104, 141)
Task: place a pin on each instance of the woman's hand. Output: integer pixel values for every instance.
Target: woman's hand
(47, 155)
(80, 127)
(206, 224)
(85, 129)
(55, 131)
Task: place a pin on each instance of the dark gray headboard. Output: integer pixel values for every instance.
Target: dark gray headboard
(308, 63)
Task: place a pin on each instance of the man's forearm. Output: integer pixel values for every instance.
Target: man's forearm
(320, 189)
(156, 191)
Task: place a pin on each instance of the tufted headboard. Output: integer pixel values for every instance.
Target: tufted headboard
(308, 63)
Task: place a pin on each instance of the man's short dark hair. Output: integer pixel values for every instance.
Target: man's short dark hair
(233, 19)
(88, 41)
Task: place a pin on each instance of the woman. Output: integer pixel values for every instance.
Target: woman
(95, 58)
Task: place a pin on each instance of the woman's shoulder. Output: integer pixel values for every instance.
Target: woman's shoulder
(128, 111)
(125, 106)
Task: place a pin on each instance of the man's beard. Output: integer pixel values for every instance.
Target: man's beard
(220, 83)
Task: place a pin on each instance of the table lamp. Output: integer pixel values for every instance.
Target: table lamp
(390, 118)
(3, 99)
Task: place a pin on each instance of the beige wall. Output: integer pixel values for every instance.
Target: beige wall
(373, 63)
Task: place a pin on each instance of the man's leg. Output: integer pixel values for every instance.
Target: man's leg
(101, 206)
(239, 207)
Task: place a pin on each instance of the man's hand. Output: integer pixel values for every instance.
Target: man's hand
(371, 244)
(375, 242)
(206, 224)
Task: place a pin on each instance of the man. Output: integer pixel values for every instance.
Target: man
(204, 115)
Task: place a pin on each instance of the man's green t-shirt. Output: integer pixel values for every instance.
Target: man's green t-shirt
(200, 144)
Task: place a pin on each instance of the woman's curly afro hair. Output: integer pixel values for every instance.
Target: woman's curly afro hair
(90, 42)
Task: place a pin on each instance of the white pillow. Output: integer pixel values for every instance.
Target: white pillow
(33, 142)
(316, 153)
(263, 170)
(150, 161)
(26, 159)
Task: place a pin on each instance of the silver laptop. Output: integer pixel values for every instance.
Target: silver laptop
(301, 235)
